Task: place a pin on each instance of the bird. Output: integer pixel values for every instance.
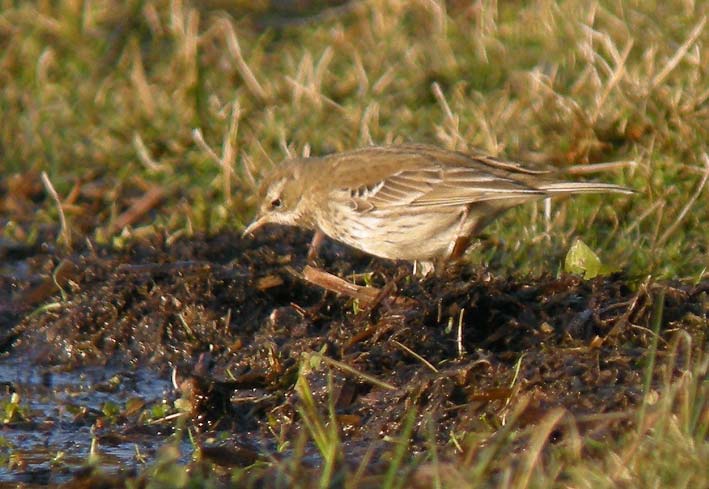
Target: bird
(412, 202)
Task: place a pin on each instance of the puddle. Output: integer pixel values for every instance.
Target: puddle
(65, 420)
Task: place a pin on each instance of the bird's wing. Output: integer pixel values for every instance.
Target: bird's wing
(438, 187)
(400, 189)
(394, 177)
(467, 185)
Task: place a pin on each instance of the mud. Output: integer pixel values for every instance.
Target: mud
(227, 326)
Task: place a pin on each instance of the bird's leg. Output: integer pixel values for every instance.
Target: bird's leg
(461, 240)
(446, 264)
(315, 244)
(461, 244)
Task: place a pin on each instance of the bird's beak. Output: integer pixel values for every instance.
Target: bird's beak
(254, 225)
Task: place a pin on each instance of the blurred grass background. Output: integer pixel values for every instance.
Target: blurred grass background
(114, 99)
(159, 116)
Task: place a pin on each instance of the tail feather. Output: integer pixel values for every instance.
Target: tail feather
(583, 188)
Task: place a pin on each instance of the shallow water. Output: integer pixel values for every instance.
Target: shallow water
(65, 413)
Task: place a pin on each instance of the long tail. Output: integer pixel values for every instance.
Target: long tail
(583, 188)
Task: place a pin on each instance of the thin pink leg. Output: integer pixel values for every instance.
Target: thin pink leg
(461, 241)
(318, 239)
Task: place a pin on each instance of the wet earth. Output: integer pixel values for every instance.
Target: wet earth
(109, 354)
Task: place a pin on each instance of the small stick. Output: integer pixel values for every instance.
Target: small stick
(368, 296)
(64, 232)
(416, 356)
(335, 284)
(459, 335)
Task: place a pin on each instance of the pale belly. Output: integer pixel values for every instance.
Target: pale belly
(423, 237)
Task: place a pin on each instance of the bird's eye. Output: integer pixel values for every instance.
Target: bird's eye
(276, 203)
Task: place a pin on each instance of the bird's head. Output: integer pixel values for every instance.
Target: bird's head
(281, 196)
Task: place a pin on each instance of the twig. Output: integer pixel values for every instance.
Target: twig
(340, 286)
(64, 231)
(367, 296)
(459, 335)
(416, 356)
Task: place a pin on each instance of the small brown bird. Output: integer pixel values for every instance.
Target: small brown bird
(403, 202)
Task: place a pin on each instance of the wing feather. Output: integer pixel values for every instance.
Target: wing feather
(440, 186)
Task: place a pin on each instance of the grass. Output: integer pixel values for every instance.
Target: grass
(668, 448)
(195, 101)
(113, 100)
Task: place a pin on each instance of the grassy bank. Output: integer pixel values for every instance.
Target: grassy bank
(126, 120)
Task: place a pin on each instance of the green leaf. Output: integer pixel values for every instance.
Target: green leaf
(581, 260)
